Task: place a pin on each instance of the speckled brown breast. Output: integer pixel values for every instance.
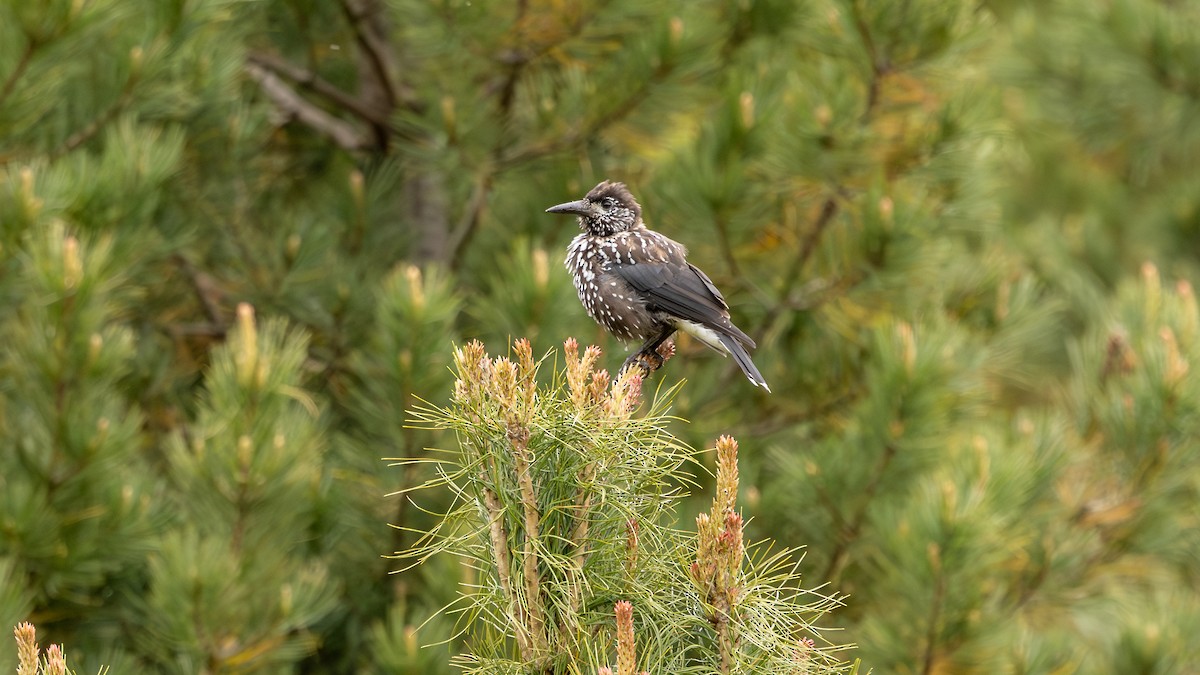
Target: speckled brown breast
(607, 298)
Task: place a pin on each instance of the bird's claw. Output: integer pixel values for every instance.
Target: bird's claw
(650, 359)
(647, 361)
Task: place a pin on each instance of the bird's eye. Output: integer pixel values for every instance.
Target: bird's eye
(608, 203)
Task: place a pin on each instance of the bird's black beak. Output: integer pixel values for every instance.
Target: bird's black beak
(579, 207)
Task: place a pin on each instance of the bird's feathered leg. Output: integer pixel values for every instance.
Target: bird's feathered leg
(649, 357)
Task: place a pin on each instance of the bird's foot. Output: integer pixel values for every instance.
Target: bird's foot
(650, 359)
(666, 350)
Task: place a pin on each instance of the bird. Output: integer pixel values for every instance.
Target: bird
(638, 285)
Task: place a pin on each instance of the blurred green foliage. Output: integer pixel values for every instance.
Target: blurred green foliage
(963, 234)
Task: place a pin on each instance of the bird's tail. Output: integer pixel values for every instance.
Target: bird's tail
(739, 354)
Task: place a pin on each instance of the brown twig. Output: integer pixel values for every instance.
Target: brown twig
(318, 85)
(879, 68)
(879, 64)
(574, 138)
(498, 536)
(286, 99)
(583, 504)
(529, 506)
(935, 611)
(88, 132)
(807, 247)
(205, 288)
(363, 17)
(726, 247)
(850, 531)
(11, 82)
(471, 217)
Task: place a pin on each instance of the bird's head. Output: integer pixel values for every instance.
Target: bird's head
(609, 208)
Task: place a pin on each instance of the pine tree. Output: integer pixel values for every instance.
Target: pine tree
(563, 493)
(962, 235)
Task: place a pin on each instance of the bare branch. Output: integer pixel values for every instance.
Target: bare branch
(366, 19)
(11, 82)
(828, 210)
(88, 132)
(314, 83)
(287, 100)
(206, 289)
(471, 217)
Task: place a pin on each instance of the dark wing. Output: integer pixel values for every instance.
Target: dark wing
(680, 289)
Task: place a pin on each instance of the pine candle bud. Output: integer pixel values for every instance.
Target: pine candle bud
(598, 387)
(504, 383)
(27, 649)
(72, 264)
(1176, 365)
(1190, 323)
(746, 109)
(449, 117)
(578, 370)
(823, 115)
(727, 475)
(416, 287)
(246, 354)
(473, 373)
(1153, 291)
(625, 395)
(245, 451)
(56, 661)
(29, 200)
(541, 269)
(676, 31)
(286, 600)
(357, 192)
(886, 209)
(626, 654)
(136, 56)
(908, 345)
(524, 352)
(410, 640)
(291, 249)
(95, 344)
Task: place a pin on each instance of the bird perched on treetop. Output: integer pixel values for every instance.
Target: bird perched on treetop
(638, 284)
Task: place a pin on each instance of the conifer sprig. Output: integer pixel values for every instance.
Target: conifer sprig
(30, 659)
(564, 496)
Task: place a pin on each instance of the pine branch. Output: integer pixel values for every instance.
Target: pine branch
(519, 438)
(471, 217)
(576, 138)
(366, 17)
(295, 106)
(498, 536)
(935, 611)
(547, 451)
(10, 82)
(850, 531)
(807, 247)
(205, 288)
(318, 85)
(878, 62)
(75, 140)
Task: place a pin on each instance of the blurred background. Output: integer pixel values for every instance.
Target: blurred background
(964, 235)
